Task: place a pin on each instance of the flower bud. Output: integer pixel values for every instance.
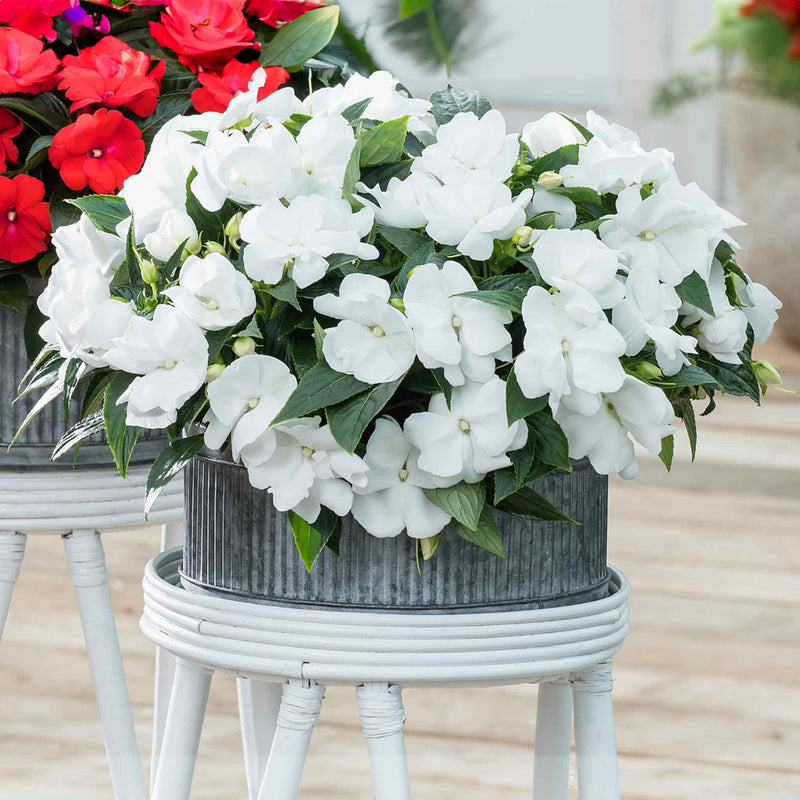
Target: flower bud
(550, 180)
(521, 170)
(648, 371)
(149, 271)
(522, 237)
(767, 374)
(215, 247)
(192, 248)
(429, 546)
(244, 346)
(214, 371)
(232, 226)
(397, 302)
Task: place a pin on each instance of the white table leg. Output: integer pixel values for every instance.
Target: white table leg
(12, 551)
(299, 713)
(171, 536)
(382, 716)
(187, 708)
(259, 704)
(87, 569)
(553, 732)
(595, 737)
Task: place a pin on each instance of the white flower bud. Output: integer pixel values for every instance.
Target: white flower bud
(550, 180)
(215, 247)
(231, 229)
(767, 374)
(522, 237)
(149, 271)
(214, 371)
(648, 371)
(244, 346)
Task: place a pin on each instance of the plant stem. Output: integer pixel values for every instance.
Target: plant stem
(439, 43)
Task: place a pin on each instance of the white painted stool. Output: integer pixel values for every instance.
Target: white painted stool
(285, 656)
(77, 505)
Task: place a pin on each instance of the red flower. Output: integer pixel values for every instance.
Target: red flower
(204, 33)
(34, 17)
(23, 65)
(24, 218)
(276, 12)
(787, 11)
(98, 150)
(219, 89)
(10, 127)
(112, 74)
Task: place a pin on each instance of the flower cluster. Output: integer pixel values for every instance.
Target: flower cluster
(398, 309)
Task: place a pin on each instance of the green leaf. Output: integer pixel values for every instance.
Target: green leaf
(502, 298)
(348, 420)
(693, 289)
(354, 112)
(121, 438)
(581, 195)
(667, 451)
(95, 392)
(410, 7)
(736, 379)
(308, 540)
(81, 430)
(690, 375)
(551, 443)
(296, 123)
(464, 502)
(519, 283)
(301, 39)
(352, 172)
(169, 463)
(485, 534)
(451, 101)
(36, 155)
(444, 385)
(531, 505)
(553, 162)
(170, 105)
(208, 223)
(286, 290)
(133, 260)
(380, 176)
(105, 211)
(407, 242)
(517, 405)
(505, 483)
(318, 388)
(585, 132)
(690, 423)
(383, 144)
(14, 293)
(319, 337)
(522, 460)
(44, 112)
(424, 254)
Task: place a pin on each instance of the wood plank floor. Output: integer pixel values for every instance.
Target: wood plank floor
(707, 688)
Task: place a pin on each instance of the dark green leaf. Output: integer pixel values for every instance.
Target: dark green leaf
(407, 242)
(133, 260)
(301, 39)
(505, 483)
(464, 502)
(380, 176)
(451, 101)
(581, 195)
(553, 162)
(121, 438)
(95, 392)
(352, 173)
(318, 388)
(383, 144)
(308, 540)
(169, 463)
(444, 385)
(36, 155)
(693, 289)
(689, 375)
(286, 290)
(304, 353)
(551, 443)
(690, 423)
(210, 224)
(585, 132)
(44, 112)
(353, 112)
(531, 505)
(105, 211)
(410, 7)
(502, 298)
(517, 405)
(14, 293)
(736, 379)
(667, 451)
(485, 535)
(81, 430)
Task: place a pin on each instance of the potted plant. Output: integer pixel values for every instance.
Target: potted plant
(385, 329)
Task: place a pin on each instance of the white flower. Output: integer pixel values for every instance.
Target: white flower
(550, 133)
(170, 354)
(83, 242)
(564, 208)
(613, 160)
(212, 292)
(244, 400)
(568, 258)
(393, 497)
(760, 307)
(174, 228)
(373, 342)
(662, 233)
(400, 205)
(469, 439)
(274, 109)
(299, 238)
(473, 214)
(468, 144)
(637, 409)
(308, 469)
(461, 334)
(571, 351)
(324, 146)
(649, 311)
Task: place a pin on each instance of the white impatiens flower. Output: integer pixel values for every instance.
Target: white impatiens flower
(714, 219)
(170, 354)
(308, 469)
(550, 133)
(637, 409)
(400, 204)
(245, 107)
(373, 342)
(299, 238)
(324, 146)
(571, 351)
(467, 145)
(212, 292)
(566, 213)
(175, 228)
(568, 258)
(393, 498)
(244, 400)
(472, 214)
(469, 439)
(83, 242)
(462, 334)
(760, 307)
(648, 312)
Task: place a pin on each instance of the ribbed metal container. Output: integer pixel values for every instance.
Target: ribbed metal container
(238, 545)
(35, 446)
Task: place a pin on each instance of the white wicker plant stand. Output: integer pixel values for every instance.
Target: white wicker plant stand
(77, 505)
(285, 656)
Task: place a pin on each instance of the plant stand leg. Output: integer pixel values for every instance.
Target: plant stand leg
(298, 715)
(259, 704)
(553, 732)
(382, 716)
(171, 536)
(12, 551)
(187, 708)
(87, 569)
(595, 738)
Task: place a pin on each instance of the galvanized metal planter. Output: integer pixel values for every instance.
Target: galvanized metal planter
(238, 545)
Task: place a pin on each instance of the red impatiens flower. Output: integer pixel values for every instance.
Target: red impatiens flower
(34, 17)
(276, 12)
(10, 127)
(112, 74)
(23, 65)
(24, 218)
(787, 11)
(204, 33)
(219, 89)
(98, 150)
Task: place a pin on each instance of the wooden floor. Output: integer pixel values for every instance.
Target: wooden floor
(707, 687)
